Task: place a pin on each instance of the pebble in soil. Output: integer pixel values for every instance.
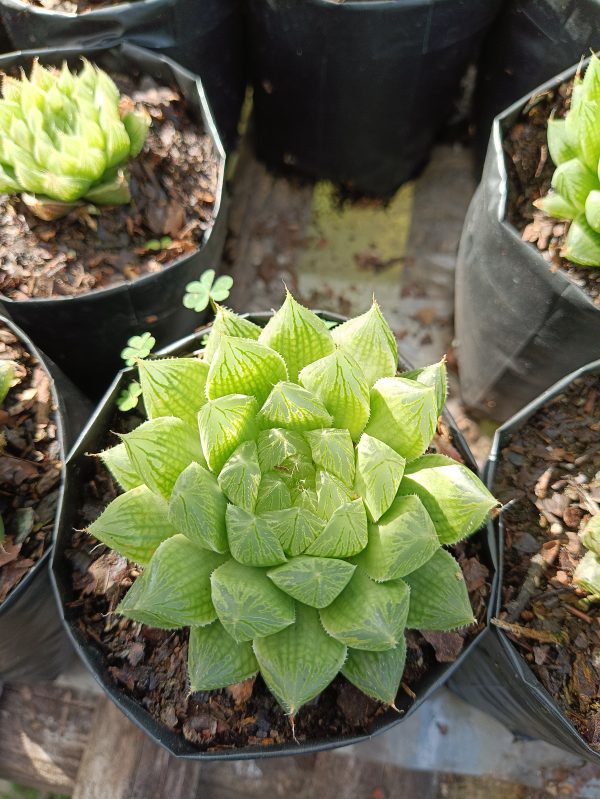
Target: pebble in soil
(551, 469)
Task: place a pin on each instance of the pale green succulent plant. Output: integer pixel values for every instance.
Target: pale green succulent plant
(282, 505)
(574, 146)
(63, 138)
(587, 573)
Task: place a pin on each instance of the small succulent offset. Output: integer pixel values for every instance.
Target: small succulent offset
(65, 138)
(282, 504)
(587, 573)
(574, 146)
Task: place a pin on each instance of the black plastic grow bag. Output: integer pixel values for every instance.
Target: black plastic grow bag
(496, 678)
(79, 467)
(520, 327)
(531, 41)
(33, 644)
(356, 92)
(204, 37)
(85, 334)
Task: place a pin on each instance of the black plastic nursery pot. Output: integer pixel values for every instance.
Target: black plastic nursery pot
(205, 38)
(496, 678)
(356, 92)
(520, 326)
(79, 469)
(84, 334)
(33, 643)
(531, 41)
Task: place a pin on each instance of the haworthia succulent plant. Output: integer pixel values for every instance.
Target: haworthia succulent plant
(587, 573)
(65, 138)
(303, 501)
(574, 146)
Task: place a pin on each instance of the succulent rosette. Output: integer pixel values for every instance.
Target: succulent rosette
(574, 146)
(282, 504)
(67, 137)
(587, 573)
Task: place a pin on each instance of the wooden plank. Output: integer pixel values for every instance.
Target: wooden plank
(120, 762)
(43, 733)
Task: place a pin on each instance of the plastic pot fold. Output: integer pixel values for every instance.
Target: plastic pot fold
(520, 327)
(33, 642)
(79, 468)
(496, 678)
(356, 92)
(85, 334)
(205, 38)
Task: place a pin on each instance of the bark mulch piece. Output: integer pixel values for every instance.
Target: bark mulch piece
(30, 465)
(173, 185)
(530, 171)
(150, 664)
(551, 470)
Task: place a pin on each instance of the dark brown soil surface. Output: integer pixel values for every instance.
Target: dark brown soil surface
(30, 465)
(173, 185)
(551, 469)
(150, 664)
(530, 171)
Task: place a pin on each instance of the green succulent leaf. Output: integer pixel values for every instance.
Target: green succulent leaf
(7, 375)
(331, 494)
(438, 595)
(403, 415)
(160, 449)
(573, 180)
(559, 144)
(370, 341)
(134, 524)
(273, 494)
(340, 383)
(240, 477)
(224, 424)
(345, 534)
(368, 615)
(555, 205)
(300, 661)
(277, 446)
(582, 245)
(296, 528)
(592, 211)
(119, 465)
(174, 589)
(173, 387)
(377, 674)
(402, 541)
(312, 581)
(228, 323)
(587, 574)
(298, 335)
(589, 134)
(197, 508)
(292, 407)
(332, 450)
(251, 540)
(435, 376)
(138, 347)
(454, 497)
(243, 366)
(248, 604)
(215, 659)
(379, 471)
(590, 535)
